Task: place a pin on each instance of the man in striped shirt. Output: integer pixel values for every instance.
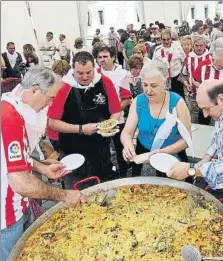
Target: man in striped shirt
(199, 54)
(39, 87)
(210, 100)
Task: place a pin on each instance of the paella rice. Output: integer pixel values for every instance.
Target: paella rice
(142, 222)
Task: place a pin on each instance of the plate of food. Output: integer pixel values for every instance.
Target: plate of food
(108, 124)
(108, 132)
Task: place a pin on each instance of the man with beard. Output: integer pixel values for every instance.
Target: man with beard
(199, 54)
(85, 99)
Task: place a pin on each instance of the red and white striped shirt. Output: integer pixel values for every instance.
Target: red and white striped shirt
(192, 60)
(15, 157)
(206, 70)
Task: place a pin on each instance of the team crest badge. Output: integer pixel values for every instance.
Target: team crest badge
(14, 151)
(100, 99)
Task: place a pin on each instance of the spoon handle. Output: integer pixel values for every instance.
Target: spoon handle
(212, 258)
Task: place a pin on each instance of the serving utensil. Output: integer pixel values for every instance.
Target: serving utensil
(191, 253)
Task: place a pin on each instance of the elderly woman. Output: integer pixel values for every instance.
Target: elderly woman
(148, 113)
(140, 51)
(186, 43)
(171, 53)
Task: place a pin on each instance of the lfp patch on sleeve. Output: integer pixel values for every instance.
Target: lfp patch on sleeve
(14, 151)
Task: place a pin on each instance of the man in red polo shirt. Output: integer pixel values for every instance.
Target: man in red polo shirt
(18, 183)
(85, 99)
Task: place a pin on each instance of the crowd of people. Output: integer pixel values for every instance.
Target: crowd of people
(145, 79)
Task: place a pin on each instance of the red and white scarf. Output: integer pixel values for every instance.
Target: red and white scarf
(167, 60)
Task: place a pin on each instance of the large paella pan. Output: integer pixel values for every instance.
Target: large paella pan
(145, 218)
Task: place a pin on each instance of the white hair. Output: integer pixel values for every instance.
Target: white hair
(218, 53)
(39, 75)
(155, 68)
(198, 37)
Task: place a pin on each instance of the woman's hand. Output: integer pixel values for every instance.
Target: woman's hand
(129, 152)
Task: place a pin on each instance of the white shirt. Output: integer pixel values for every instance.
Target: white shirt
(63, 47)
(177, 60)
(75, 50)
(116, 76)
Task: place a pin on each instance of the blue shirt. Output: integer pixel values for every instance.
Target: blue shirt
(148, 125)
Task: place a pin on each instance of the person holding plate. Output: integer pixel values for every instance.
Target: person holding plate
(20, 128)
(155, 113)
(85, 99)
(210, 100)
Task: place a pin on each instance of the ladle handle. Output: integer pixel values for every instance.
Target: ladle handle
(212, 258)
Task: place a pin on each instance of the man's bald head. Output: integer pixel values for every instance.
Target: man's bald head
(210, 98)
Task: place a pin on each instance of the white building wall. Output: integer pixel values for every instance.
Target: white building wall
(199, 7)
(163, 11)
(116, 13)
(56, 16)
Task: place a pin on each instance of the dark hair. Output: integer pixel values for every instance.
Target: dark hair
(111, 50)
(124, 37)
(133, 32)
(9, 43)
(95, 40)
(214, 92)
(216, 19)
(63, 35)
(98, 30)
(146, 37)
(157, 22)
(95, 50)
(151, 24)
(49, 33)
(217, 24)
(175, 21)
(161, 26)
(112, 28)
(82, 58)
(135, 61)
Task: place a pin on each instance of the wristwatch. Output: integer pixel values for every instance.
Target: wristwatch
(80, 132)
(191, 171)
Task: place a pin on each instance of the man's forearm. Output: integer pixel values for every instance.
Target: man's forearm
(39, 167)
(27, 185)
(63, 127)
(206, 158)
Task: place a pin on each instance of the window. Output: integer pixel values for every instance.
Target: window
(206, 12)
(192, 12)
(101, 17)
(88, 19)
(138, 18)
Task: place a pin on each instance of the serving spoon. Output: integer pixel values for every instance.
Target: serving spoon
(191, 253)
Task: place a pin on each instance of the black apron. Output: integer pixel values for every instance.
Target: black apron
(82, 107)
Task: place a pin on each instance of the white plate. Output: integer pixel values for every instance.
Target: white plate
(162, 161)
(73, 161)
(108, 134)
(108, 128)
